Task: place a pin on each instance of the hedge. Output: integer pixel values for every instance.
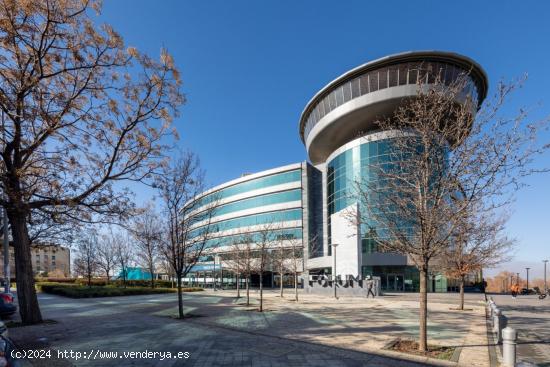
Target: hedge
(55, 280)
(103, 282)
(144, 283)
(79, 291)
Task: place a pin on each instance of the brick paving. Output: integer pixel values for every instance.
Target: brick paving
(314, 332)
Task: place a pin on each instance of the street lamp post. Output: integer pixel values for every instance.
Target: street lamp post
(517, 279)
(334, 245)
(221, 272)
(214, 274)
(545, 285)
(527, 284)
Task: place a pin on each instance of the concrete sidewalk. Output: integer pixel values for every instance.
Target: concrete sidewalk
(314, 332)
(366, 325)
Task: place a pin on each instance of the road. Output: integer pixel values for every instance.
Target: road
(531, 318)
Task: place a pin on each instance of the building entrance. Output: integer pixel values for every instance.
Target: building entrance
(395, 282)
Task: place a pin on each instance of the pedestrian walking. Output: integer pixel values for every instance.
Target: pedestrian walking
(514, 288)
(370, 285)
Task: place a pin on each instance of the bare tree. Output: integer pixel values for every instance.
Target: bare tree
(296, 257)
(438, 147)
(286, 257)
(45, 228)
(234, 260)
(478, 243)
(80, 112)
(502, 282)
(235, 255)
(189, 223)
(280, 261)
(107, 256)
(146, 230)
(244, 248)
(85, 263)
(263, 242)
(124, 254)
(165, 264)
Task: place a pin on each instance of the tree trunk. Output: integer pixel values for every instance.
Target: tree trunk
(261, 292)
(248, 290)
(461, 307)
(423, 337)
(152, 277)
(296, 286)
(26, 293)
(238, 285)
(180, 297)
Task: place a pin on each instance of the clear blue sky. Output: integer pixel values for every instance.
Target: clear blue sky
(249, 68)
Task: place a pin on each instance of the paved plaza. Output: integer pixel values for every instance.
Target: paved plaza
(222, 332)
(531, 318)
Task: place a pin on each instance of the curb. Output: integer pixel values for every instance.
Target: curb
(494, 351)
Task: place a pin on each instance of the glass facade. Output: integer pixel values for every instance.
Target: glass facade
(348, 169)
(395, 278)
(405, 279)
(256, 203)
(359, 165)
(262, 200)
(293, 233)
(294, 199)
(390, 76)
(258, 183)
(252, 220)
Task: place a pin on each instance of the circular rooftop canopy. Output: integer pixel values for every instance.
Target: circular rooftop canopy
(350, 103)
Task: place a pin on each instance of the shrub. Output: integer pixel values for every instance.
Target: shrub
(191, 289)
(56, 280)
(144, 283)
(94, 282)
(80, 291)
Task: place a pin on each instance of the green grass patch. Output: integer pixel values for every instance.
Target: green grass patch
(82, 291)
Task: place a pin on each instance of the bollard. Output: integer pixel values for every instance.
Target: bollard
(496, 319)
(496, 324)
(501, 324)
(509, 337)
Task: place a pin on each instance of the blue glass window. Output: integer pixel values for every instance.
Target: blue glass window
(263, 200)
(258, 183)
(251, 220)
(292, 233)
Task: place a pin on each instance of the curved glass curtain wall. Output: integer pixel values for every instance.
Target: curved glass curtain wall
(257, 183)
(358, 165)
(251, 220)
(349, 168)
(258, 201)
(292, 233)
(386, 77)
